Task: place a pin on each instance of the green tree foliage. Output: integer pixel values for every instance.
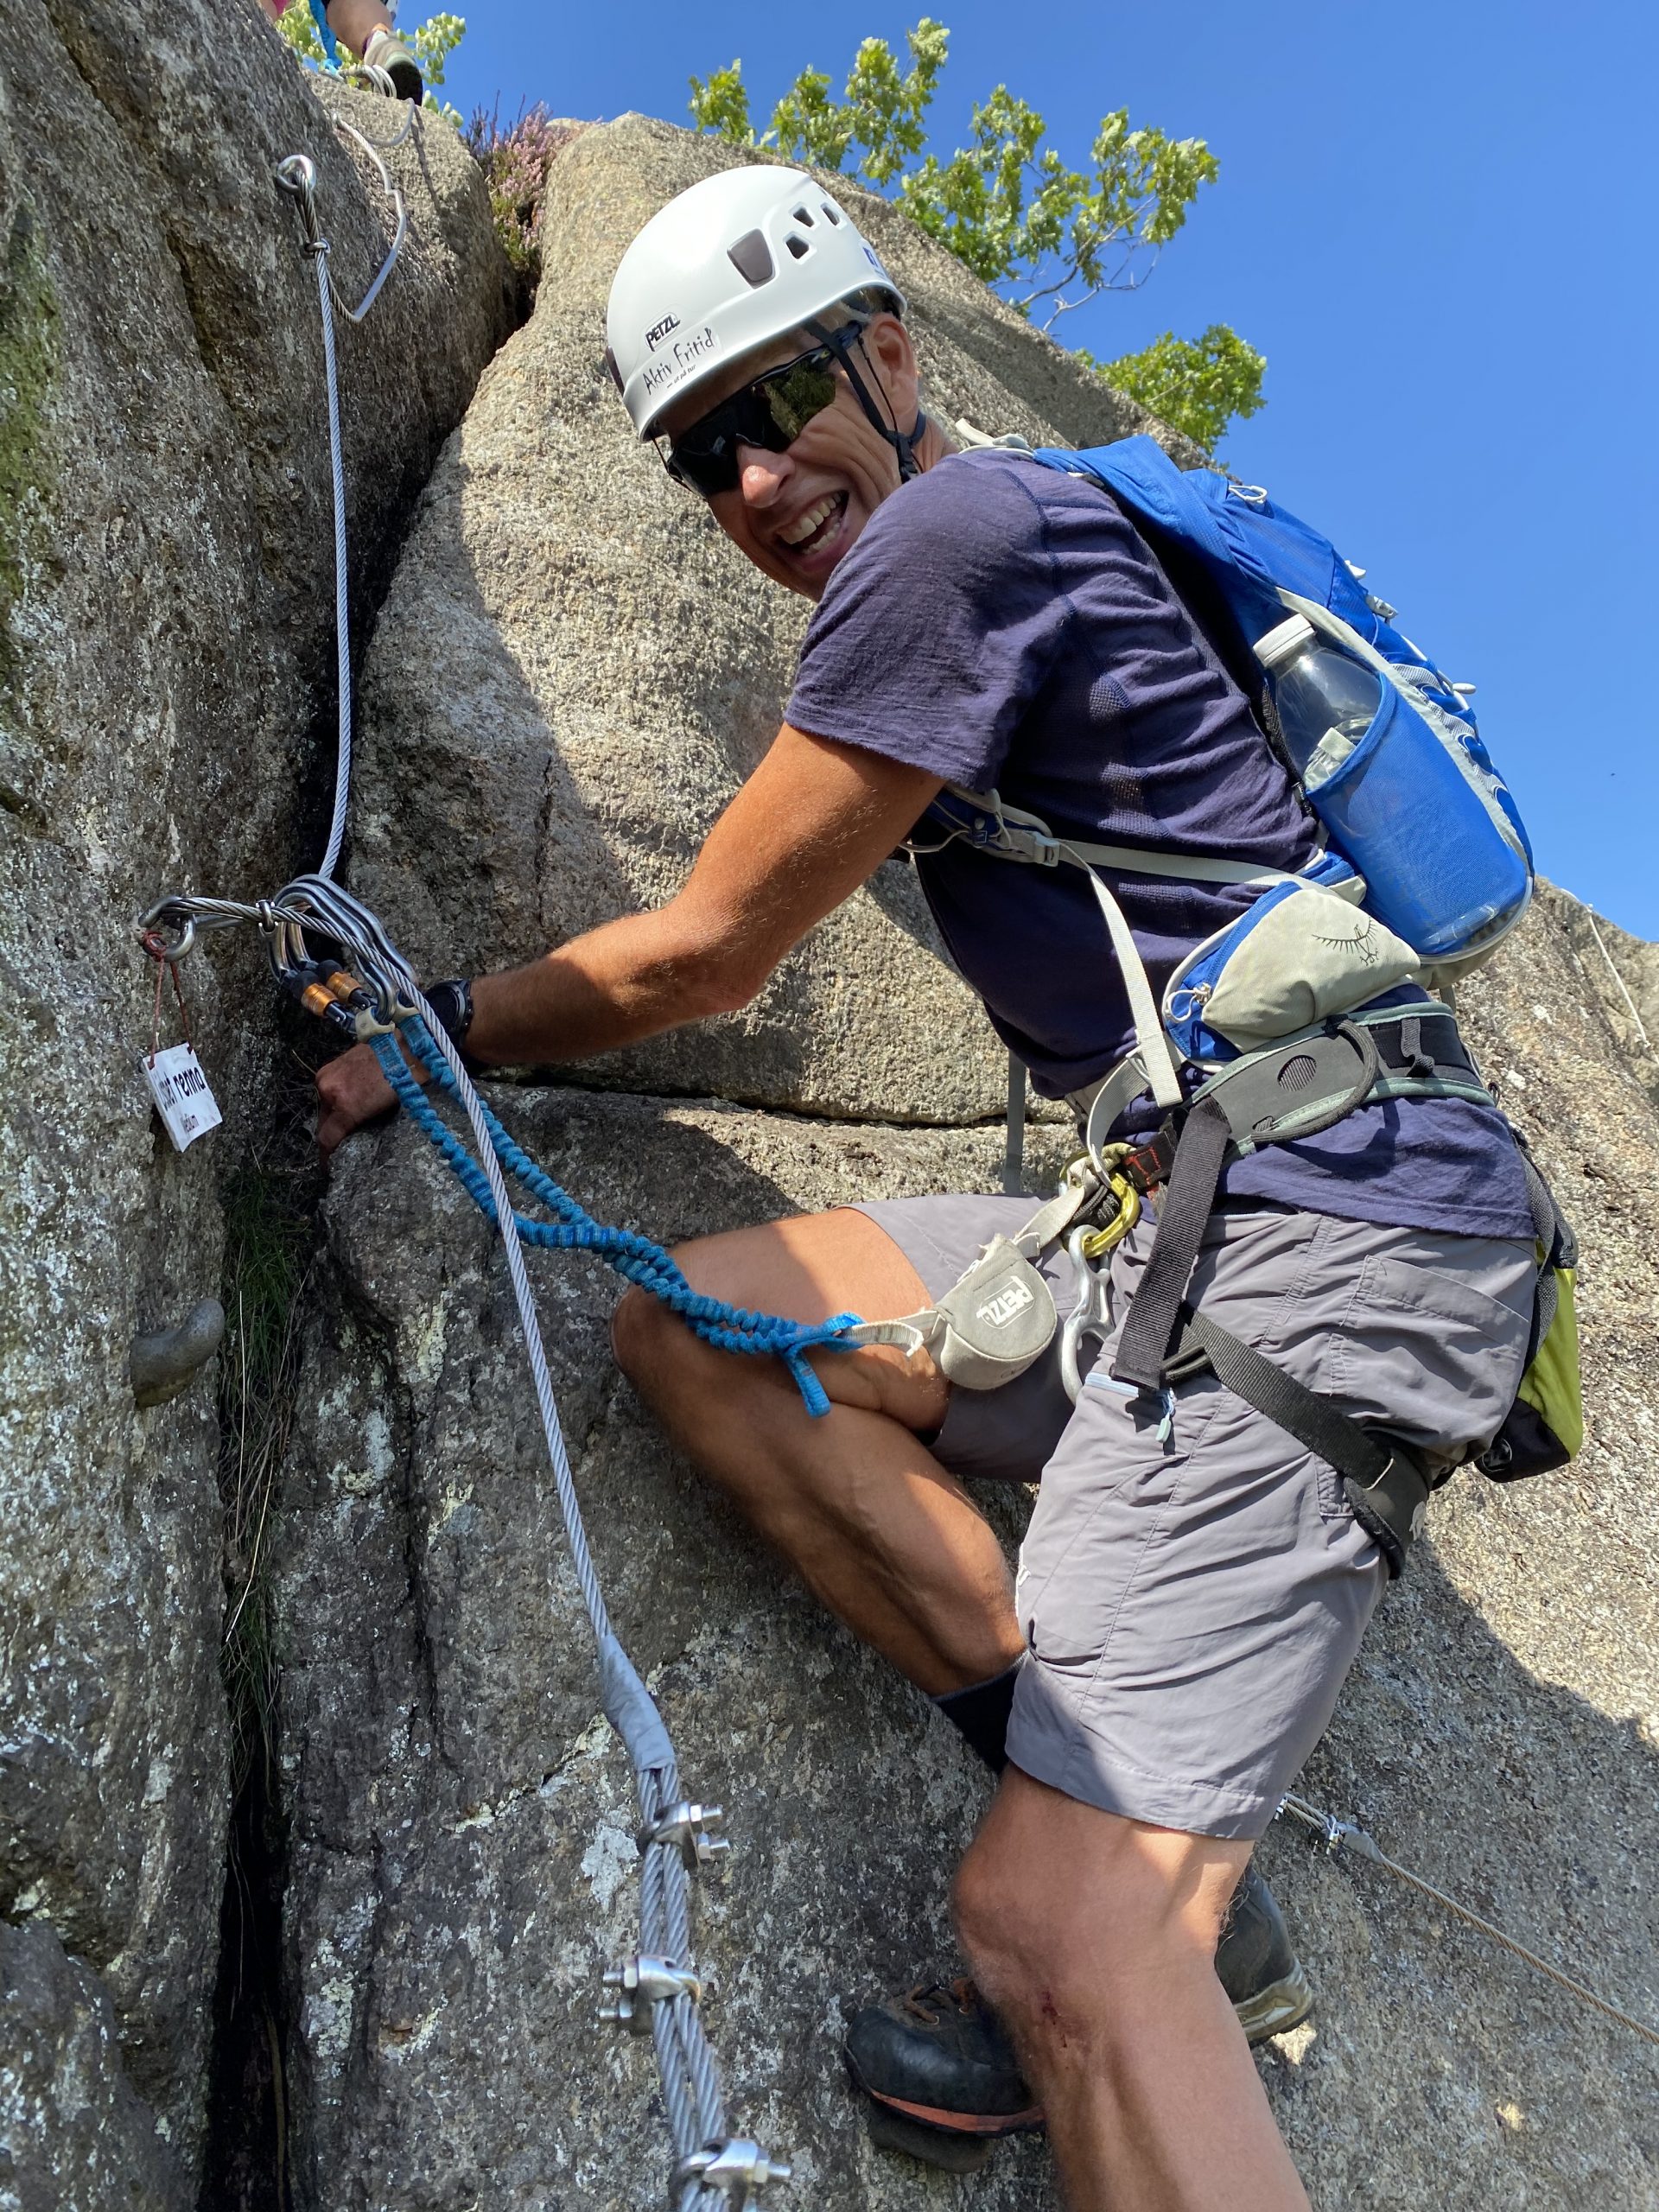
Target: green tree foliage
(1201, 385)
(1048, 236)
(431, 43)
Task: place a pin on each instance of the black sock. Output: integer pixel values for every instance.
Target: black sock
(981, 1712)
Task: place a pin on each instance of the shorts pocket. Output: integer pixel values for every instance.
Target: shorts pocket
(1433, 1359)
(1103, 1499)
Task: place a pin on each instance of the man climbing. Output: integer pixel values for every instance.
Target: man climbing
(366, 27)
(1194, 1583)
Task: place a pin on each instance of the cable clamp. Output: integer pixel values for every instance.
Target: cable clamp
(640, 1984)
(1336, 1835)
(737, 2167)
(686, 1827)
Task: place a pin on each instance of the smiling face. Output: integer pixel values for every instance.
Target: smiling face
(795, 514)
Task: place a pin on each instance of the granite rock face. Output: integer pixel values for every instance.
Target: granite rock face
(166, 708)
(72, 2130)
(461, 1868)
(574, 671)
(571, 674)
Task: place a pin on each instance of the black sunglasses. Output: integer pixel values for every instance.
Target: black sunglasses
(772, 412)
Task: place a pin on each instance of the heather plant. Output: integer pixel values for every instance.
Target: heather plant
(515, 161)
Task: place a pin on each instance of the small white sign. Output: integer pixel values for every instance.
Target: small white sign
(183, 1098)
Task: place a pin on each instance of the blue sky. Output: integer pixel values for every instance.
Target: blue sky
(1436, 223)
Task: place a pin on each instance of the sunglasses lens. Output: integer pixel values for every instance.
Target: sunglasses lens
(799, 393)
(772, 412)
(702, 470)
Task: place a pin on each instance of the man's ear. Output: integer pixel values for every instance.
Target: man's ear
(886, 342)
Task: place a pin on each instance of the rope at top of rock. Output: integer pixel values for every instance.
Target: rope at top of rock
(1589, 913)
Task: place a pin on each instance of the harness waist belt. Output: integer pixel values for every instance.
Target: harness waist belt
(1296, 1088)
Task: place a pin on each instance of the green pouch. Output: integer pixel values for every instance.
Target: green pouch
(1544, 1428)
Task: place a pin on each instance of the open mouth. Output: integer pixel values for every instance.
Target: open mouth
(812, 531)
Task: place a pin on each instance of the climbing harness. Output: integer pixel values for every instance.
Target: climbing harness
(1268, 1031)
(331, 953)
(1339, 1836)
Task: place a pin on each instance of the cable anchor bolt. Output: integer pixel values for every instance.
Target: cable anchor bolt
(296, 173)
(640, 1984)
(686, 1827)
(147, 931)
(737, 2167)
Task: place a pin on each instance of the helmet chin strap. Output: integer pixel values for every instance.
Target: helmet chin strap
(904, 443)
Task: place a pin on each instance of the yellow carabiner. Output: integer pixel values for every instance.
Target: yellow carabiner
(1100, 1240)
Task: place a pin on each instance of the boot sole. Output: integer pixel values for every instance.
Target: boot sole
(1278, 2006)
(932, 2146)
(957, 2143)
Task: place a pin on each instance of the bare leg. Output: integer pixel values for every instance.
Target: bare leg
(354, 23)
(1094, 1936)
(889, 1542)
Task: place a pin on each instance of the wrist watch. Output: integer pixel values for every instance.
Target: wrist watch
(452, 1002)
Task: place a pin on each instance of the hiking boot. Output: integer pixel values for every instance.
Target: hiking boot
(386, 51)
(1260, 1971)
(941, 2076)
(940, 2070)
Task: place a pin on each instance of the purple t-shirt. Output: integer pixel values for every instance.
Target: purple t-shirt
(1003, 625)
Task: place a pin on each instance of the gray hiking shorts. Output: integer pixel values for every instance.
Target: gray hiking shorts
(1192, 1600)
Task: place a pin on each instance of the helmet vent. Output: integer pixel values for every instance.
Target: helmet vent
(801, 216)
(830, 213)
(798, 247)
(751, 259)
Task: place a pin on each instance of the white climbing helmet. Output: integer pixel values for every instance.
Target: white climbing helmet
(729, 264)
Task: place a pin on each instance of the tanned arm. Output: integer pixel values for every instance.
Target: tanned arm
(814, 820)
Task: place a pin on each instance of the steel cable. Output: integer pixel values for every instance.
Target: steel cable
(330, 859)
(1337, 1835)
(691, 2081)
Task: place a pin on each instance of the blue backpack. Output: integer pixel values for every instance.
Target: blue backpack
(1417, 807)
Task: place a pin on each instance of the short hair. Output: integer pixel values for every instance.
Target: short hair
(870, 300)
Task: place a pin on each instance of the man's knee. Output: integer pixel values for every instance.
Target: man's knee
(1051, 1940)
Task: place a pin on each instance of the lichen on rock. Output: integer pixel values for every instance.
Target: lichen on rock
(28, 362)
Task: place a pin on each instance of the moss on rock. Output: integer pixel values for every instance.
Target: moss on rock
(29, 370)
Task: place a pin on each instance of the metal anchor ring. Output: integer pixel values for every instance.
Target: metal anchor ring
(155, 943)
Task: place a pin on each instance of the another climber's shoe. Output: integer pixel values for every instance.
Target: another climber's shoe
(940, 2071)
(385, 50)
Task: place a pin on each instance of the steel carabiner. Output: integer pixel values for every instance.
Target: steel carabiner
(1092, 1314)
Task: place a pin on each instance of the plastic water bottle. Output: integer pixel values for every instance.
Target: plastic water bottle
(1411, 807)
(1326, 701)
